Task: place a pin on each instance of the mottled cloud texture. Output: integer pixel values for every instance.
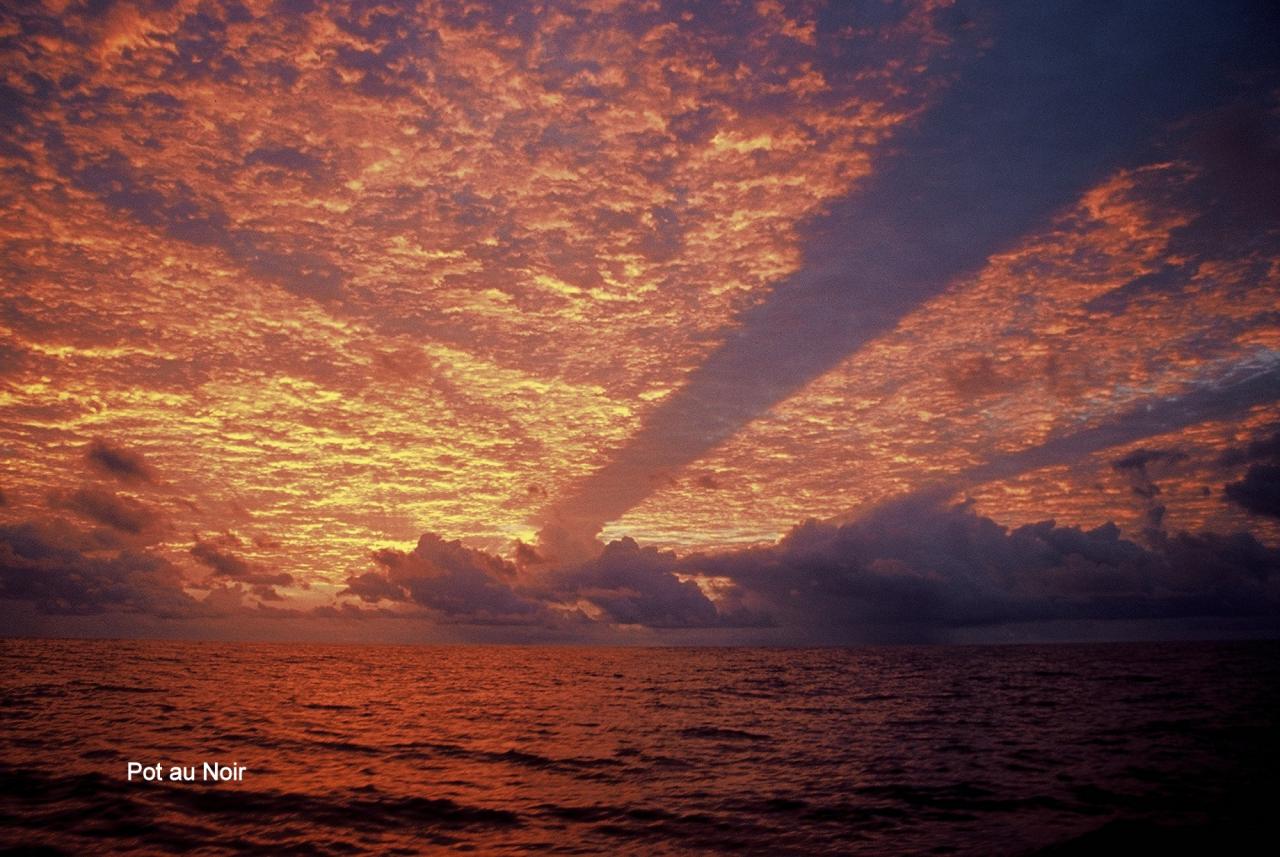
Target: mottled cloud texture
(603, 298)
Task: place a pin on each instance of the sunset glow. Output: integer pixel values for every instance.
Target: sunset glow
(593, 286)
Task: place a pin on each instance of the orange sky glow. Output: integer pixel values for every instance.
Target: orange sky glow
(288, 285)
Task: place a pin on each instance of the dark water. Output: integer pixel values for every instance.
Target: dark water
(933, 750)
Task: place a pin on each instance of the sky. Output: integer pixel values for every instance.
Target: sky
(643, 322)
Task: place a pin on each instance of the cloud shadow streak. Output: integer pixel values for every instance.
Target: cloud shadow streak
(1056, 103)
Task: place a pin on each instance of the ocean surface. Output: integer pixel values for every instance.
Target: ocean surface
(1059, 749)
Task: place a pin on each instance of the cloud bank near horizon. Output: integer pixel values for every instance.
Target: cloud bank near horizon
(919, 569)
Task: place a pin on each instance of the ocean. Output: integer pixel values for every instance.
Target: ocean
(983, 750)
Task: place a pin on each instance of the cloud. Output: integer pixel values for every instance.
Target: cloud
(979, 376)
(104, 507)
(285, 158)
(625, 584)
(1139, 459)
(708, 481)
(226, 564)
(919, 569)
(631, 585)
(1137, 465)
(1259, 491)
(60, 568)
(63, 570)
(656, 234)
(1044, 113)
(457, 583)
(116, 461)
(1202, 402)
(912, 570)
(374, 586)
(185, 214)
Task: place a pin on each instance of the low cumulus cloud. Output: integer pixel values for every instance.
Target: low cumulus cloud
(632, 585)
(917, 569)
(68, 567)
(924, 569)
(456, 583)
(216, 555)
(64, 570)
(102, 555)
(625, 584)
(109, 554)
(913, 570)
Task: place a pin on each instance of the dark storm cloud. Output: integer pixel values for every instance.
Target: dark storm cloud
(922, 569)
(115, 460)
(65, 571)
(1057, 102)
(121, 513)
(1259, 491)
(457, 583)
